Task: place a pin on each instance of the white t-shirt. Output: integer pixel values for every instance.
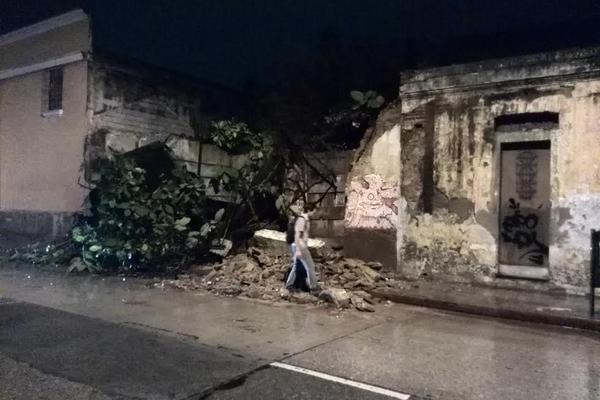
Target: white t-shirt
(302, 228)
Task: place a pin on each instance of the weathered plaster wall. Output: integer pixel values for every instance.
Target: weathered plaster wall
(438, 155)
(372, 189)
(446, 176)
(577, 187)
(457, 239)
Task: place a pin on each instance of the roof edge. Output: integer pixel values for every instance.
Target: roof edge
(570, 61)
(43, 26)
(55, 62)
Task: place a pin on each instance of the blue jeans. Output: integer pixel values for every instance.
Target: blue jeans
(299, 270)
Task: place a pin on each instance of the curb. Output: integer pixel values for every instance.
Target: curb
(548, 319)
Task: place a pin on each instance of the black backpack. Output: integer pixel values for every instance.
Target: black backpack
(291, 231)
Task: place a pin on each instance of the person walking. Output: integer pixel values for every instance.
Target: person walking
(302, 274)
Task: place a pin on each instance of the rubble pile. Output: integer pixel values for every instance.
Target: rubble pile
(259, 272)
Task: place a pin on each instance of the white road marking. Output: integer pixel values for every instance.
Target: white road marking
(343, 381)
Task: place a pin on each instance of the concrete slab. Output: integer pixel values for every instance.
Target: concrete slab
(117, 360)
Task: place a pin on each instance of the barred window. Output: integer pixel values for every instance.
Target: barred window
(52, 94)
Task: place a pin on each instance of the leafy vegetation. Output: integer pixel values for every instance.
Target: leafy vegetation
(255, 180)
(368, 99)
(234, 137)
(134, 227)
(273, 174)
(37, 253)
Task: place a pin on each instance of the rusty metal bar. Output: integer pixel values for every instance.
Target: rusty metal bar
(594, 269)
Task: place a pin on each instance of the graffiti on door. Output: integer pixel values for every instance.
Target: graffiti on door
(526, 171)
(525, 204)
(521, 229)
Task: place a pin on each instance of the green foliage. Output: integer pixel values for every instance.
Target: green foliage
(136, 227)
(38, 253)
(233, 136)
(350, 122)
(274, 174)
(258, 177)
(133, 226)
(368, 99)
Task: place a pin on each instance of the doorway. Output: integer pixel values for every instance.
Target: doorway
(524, 208)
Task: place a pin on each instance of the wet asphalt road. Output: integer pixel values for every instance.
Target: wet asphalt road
(118, 339)
(275, 383)
(51, 354)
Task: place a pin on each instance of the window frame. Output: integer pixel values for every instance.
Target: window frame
(53, 91)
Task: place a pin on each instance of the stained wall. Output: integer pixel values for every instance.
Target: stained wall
(372, 190)
(447, 162)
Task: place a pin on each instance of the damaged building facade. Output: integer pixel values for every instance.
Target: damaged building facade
(64, 103)
(485, 172)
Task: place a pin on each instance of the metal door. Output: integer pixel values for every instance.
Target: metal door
(525, 204)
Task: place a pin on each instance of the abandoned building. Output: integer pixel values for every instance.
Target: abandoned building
(64, 103)
(484, 171)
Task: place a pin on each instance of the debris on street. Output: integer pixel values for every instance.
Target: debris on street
(259, 272)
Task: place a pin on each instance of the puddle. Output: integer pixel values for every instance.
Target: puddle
(556, 309)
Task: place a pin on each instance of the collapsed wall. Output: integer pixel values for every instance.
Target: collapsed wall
(132, 105)
(372, 188)
(486, 171)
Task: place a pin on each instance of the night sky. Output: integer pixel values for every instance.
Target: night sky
(229, 41)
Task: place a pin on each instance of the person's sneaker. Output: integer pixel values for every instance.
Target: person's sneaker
(316, 291)
(284, 293)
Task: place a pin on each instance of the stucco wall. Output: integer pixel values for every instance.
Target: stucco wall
(440, 150)
(41, 157)
(372, 188)
(458, 240)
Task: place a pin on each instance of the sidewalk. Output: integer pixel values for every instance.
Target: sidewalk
(517, 304)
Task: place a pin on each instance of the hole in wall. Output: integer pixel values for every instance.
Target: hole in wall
(526, 121)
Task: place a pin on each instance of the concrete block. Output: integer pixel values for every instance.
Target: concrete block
(120, 142)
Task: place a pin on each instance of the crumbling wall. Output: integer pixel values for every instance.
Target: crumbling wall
(372, 192)
(576, 185)
(130, 107)
(446, 182)
(457, 240)
(430, 171)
